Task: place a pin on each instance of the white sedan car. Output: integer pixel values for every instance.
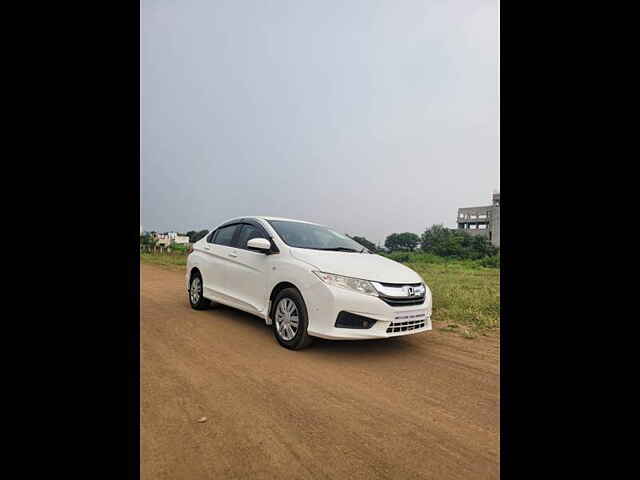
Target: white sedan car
(307, 281)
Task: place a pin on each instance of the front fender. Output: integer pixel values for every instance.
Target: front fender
(291, 271)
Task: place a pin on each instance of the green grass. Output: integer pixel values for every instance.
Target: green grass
(180, 247)
(421, 257)
(466, 295)
(170, 260)
(466, 298)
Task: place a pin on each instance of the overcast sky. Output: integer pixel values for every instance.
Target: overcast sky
(372, 117)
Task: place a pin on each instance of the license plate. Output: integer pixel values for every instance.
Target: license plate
(412, 315)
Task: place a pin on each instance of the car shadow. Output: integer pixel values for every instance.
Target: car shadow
(321, 346)
(356, 347)
(238, 316)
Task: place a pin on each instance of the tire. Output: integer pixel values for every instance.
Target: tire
(287, 304)
(196, 300)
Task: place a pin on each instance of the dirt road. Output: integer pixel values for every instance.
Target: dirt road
(423, 406)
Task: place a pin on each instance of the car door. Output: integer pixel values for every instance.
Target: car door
(248, 270)
(218, 249)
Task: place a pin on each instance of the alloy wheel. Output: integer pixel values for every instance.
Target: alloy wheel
(287, 321)
(195, 290)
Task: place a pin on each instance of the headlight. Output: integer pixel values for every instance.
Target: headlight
(355, 284)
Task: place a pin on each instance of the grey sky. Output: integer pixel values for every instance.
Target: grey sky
(372, 117)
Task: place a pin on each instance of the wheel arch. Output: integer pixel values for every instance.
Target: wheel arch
(272, 296)
(194, 270)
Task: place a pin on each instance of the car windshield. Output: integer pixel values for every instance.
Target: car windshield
(317, 237)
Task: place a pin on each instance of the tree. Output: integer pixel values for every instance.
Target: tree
(439, 240)
(365, 243)
(406, 241)
(392, 242)
(148, 239)
(446, 242)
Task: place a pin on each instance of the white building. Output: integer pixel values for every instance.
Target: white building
(166, 239)
(181, 239)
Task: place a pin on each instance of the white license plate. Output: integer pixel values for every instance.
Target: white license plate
(412, 315)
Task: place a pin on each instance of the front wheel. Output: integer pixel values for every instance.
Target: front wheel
(290, 320)
(197, 301)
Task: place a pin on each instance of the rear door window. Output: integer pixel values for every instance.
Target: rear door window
(224, 235)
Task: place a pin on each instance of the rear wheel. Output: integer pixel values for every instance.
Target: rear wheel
(197, 301)
(290, 320)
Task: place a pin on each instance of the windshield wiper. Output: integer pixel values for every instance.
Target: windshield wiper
(339, 249)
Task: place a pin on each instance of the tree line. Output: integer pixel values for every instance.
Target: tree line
(437, 240)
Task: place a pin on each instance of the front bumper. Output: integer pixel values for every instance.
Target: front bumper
(324, 303)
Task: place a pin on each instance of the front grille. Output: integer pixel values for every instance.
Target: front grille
(408, 322)
(402, 302)
(405, 326)
(397, 294)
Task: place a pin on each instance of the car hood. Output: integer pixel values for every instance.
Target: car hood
(358, 265)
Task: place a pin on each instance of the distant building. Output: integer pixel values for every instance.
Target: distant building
(484, 221)
(167, 239)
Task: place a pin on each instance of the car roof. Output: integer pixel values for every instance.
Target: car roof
(260, 217)
(282, 219)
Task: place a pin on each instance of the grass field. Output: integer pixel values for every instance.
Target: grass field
(465, 300)
(466, 295)
(177, 260)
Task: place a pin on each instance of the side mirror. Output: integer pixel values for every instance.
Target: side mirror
(261, 244)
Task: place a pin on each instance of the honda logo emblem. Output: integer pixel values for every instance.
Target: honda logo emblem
(410, 291)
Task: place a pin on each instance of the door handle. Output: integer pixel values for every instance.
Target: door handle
(233, 255)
